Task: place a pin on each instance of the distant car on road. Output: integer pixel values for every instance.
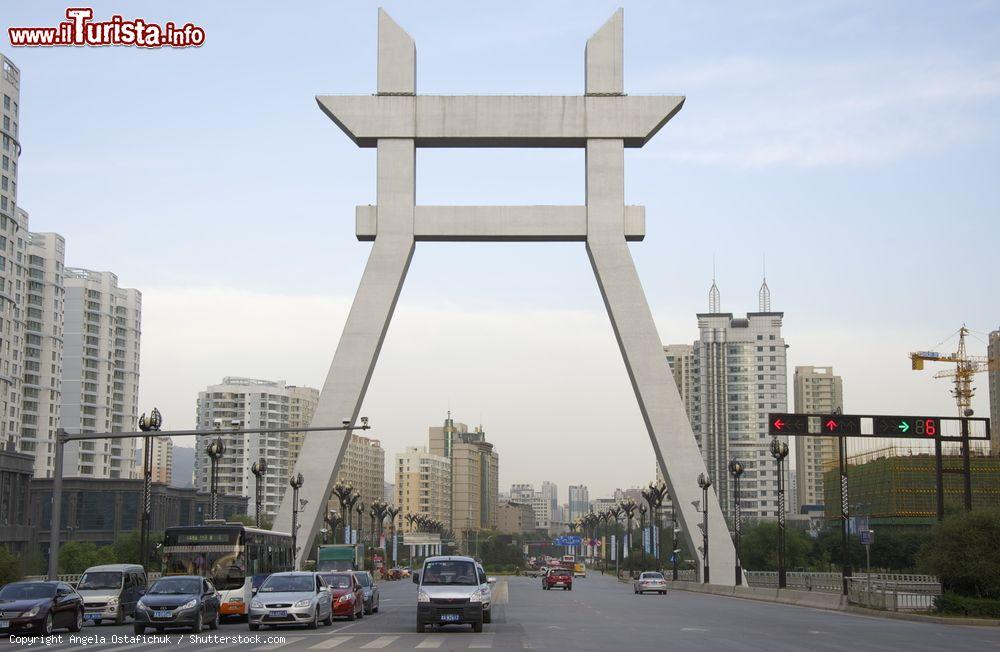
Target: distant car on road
(579, 569)
(369, 590)
(650, 581)
(558, 578)
(178, 601)
(348, 596)
(40, 607)
(292, 598)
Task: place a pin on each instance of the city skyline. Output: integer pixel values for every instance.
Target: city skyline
(492, 346)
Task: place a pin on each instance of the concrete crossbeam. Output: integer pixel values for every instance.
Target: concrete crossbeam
(500, 120)
(501, 223)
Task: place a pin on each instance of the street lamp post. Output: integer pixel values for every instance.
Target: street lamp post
(736, 470)
(628, 508)
(616, 513)
(673, 536)
(392, 513)
(296, 482)
(779, 451)
(343, 493)
(704, 482)
(642, 528)
(152, 424)
(359, 507)
(215, 451)
(259, 468)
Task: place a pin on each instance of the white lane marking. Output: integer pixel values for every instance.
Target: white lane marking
(275, 646)
(380, 642)
(486, 642)
(431, 641)
(693, 629)
(331, 642)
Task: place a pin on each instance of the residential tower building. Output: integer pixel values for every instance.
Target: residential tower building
(816, 390)
(423, 485)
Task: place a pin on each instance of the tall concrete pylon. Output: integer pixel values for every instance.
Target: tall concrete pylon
(603, 121)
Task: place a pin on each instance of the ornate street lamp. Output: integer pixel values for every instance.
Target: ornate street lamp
(779, 451)
(331, 519)
(259, 468)
(736, 470)
(152, 424)
(360, 509)
(296, 482)
(704, 482)
(215, 451)
(392, 513)
(343, 493)
(628, 508)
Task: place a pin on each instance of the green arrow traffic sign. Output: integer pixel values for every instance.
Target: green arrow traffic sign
(904, 426)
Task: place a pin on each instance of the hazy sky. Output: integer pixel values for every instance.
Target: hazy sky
(853, 143)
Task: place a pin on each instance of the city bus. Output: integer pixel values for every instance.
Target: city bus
(231, 555)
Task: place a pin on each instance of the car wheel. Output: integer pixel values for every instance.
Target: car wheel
(361, 613)
(77, 622)
(376, 606)
(477, 627)
(198, 624)
(353, 615)
(46, 626)
(120, 618)
(314, 623)
(254, 628)
(214, 624)
(488, 615)
(420, 627)
(139, 630)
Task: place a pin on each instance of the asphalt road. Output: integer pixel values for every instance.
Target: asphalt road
(598, 614)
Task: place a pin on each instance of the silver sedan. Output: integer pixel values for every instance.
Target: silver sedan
(650, 581)
(292, 599)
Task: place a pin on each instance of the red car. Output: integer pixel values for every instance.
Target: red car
(558, 577)
(348, 596)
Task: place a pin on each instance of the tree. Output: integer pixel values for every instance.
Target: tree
(126, 550)
(11, 569)
(78, 556)
(760, 547)
(962, 551)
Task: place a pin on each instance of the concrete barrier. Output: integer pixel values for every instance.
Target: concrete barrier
(813, 599)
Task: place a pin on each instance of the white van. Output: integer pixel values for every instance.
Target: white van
(453, 591)
(111, 591)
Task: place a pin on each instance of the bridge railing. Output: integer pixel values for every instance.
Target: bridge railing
(884, 592)
(803, 581)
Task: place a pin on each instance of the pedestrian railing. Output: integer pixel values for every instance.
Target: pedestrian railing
(803, 581)
(889, 593)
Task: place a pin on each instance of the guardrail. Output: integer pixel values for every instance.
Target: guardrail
(804, 581)
(881, 592)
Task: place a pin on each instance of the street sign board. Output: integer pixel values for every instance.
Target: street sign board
(568, 540)
(867, 537)
(785, 424)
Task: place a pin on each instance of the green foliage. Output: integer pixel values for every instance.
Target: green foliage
(963, 553)
(78, 556)
(960, 605)
(11, 569)
(499, 552)
(125, 550)
(760, 547)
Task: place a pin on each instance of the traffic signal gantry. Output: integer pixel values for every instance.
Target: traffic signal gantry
(868, 426)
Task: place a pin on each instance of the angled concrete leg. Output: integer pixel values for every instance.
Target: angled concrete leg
(669, 430)
(360, 343)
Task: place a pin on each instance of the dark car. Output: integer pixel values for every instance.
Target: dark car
(178, 601)
(348, 596)
(40, 607)
(370, 591)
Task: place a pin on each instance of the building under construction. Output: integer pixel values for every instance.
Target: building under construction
(896, 488)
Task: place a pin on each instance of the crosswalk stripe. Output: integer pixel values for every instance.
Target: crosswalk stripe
(485, 642)
(331, 642)
(431, 641)
(381, 641)
(274, 646)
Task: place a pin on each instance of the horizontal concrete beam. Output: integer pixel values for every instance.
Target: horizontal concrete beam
(499, 121)
(500, 223)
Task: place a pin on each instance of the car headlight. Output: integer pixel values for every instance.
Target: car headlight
(32, 612)
(112, 602)
(141, 606)
(347, 597)
(189, 604)
(304, 603)
(423, 597)
(477, 596)
(256, 604)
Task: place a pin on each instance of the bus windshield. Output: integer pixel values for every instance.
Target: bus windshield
(225, 566)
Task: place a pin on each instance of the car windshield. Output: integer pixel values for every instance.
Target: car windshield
(652, 576)
(338, 581)
(175, 586)
(32, 591)
(460, 573)
(363, 579)
(100, 580)
(560, 573)
(288, 584)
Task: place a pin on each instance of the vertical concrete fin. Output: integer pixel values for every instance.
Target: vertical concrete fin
(605, 53)
(397, 57)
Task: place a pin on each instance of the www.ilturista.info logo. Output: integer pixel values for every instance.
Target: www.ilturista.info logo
(81, 30)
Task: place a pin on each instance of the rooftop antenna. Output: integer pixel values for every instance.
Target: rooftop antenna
(764, 296)
(714, 299)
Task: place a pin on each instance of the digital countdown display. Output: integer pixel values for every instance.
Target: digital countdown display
(910, 427)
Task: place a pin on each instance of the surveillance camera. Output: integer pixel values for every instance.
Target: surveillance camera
(345, 422)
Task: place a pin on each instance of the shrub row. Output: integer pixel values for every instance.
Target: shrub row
(954, 604)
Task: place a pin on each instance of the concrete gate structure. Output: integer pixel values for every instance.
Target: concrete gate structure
(604, 121)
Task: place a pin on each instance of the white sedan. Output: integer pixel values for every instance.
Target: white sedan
(650, 581)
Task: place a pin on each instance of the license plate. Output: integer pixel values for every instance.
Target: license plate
(162, 614)
(92, 616)
(450, 618)
(277, 614)
(559, 583)
(4, 624)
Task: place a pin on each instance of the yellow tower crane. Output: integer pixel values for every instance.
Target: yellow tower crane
(966, 366)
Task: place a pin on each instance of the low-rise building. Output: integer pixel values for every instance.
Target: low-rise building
(515, 518)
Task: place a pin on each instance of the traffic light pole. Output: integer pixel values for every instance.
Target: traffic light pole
(844, 515)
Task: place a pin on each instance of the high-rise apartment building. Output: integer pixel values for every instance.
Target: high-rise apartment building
(13, 232)
(816, 390)
(100, 380)
(475, 473)
(680, 359)
(247, 403)
(302, 402)
(551, 491)
(993, 377)
(579, 502)
(41, 392)
(521, 493)
(364, 467)
(423, 485)
(162, 468)
(738, 376)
